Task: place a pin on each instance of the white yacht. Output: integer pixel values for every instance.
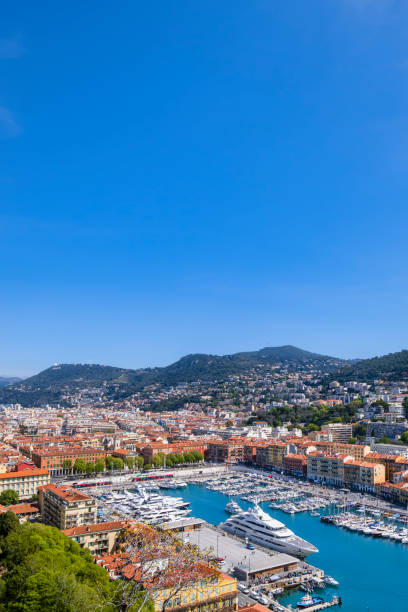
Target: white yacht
(232, 507)
(258, 526)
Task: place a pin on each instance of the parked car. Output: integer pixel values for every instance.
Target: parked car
(243, 588)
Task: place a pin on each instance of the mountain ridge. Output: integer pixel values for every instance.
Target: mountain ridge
(9, 380)
(392, 366)
(51, 384)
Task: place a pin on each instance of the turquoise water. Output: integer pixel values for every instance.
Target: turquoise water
(372, 572)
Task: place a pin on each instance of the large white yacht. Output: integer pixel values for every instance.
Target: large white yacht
(258, 526)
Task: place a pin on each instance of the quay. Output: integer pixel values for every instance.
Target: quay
(326, 604)
(334, 601)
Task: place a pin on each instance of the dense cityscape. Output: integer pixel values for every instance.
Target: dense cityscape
(204, 348)
(288, 433)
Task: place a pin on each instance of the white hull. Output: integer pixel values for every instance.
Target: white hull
(257, 526)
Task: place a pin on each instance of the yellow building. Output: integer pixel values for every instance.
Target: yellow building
(362, 475)
(26, 482)
(326, 468)
(357, 451)
(272, 455)
(216, 592)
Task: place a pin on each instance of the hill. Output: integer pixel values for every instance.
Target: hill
(8, 380)
(393, 366)
(55, 383)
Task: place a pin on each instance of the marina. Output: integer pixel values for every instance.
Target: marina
(142, 504)
(360, 547)
(362, 565)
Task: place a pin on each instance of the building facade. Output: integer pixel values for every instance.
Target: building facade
(25, 483)
(53, 459)
(100, 538)
(65, 507)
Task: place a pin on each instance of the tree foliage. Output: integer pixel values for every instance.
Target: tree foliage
(312, 417)
(8, 497)
(45, 571)
(79, 466)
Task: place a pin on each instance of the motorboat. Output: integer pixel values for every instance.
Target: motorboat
(232, 507)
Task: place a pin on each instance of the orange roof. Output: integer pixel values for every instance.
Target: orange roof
(67, 493)
(25, 473)
(254, 608)
(20, 509)
(95, 528)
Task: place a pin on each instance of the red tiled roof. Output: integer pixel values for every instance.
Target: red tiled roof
(36, 472)
(95, 528)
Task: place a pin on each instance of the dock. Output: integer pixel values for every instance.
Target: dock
(326, 604)
(321, 606)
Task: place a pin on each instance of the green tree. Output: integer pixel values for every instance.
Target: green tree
(381, 403)
(99, 466)
(8, 523)
(118, 463)
(8, 497)
(147, 466)
(360, 430)
(385, 440)
(109, 462)
(352, 440)
(404, 437)
(405, 406)
(67, 464)
(79, 466)
(130, 462)
(90, 468)
(45, 571)
(156, 461)
(139, 462)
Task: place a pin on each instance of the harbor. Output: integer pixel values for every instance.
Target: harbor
(362, 565)
(359, 546)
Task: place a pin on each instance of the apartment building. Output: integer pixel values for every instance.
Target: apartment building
(53, 459)
(26, 483)
(272, 455)
(100, 538)
(180, 447)
(362, 475)
(326, 468)
(340, 432)
(294, 464)
(392, 464)
(231, 450)
(65, 507)
(357, 451)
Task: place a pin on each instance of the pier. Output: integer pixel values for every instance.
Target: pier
(321, 606)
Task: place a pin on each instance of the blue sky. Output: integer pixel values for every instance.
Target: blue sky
(204, 176)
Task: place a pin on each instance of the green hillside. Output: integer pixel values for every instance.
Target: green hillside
(393, 366)
(53, 384)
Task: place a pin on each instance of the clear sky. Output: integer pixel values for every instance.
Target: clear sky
(184, 176)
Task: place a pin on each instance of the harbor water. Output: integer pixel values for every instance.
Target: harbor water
(372, 572)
